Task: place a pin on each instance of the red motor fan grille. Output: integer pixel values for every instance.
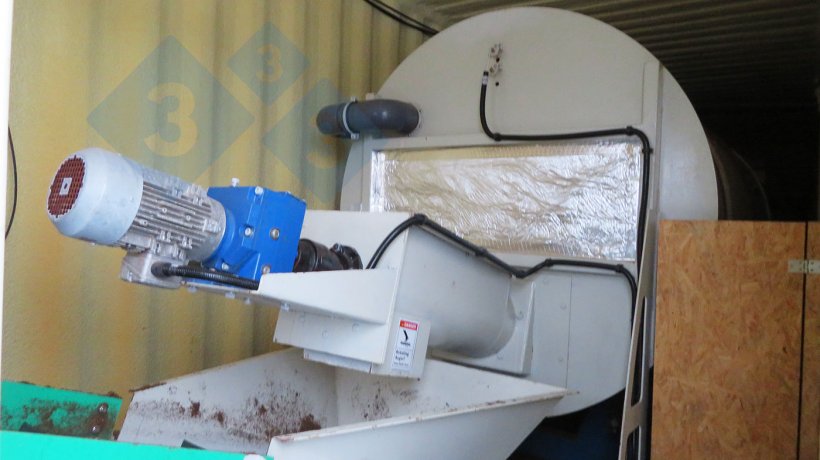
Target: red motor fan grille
(66, 186)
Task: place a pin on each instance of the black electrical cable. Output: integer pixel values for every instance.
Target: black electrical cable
(646, 151)
(420, 220)
(401, 18)
(14, 171)
(164, 270)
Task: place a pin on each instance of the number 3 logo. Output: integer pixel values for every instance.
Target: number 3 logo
(178, 116)
(271, 70)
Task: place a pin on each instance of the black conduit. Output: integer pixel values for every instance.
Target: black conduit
(420, 220)
(164, 270)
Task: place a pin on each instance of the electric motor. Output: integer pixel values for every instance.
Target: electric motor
(107, 199)
(164, 221)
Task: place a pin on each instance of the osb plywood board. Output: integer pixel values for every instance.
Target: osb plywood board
(727, 347)
(810, 408)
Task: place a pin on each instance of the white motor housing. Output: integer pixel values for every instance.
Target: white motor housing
(104, 198)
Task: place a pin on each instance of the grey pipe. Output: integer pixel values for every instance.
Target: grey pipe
(379, 117)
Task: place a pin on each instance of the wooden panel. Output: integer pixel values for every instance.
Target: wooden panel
(727, 348)
(810, 409)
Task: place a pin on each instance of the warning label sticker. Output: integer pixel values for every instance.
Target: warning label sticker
(405, 345)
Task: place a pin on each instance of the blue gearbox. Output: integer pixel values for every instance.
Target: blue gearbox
(262, 229)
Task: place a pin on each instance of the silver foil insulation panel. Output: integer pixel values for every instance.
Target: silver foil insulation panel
(575, 199)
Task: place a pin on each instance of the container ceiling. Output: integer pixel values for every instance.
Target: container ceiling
(725, 53)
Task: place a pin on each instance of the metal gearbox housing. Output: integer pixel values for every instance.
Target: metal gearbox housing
(261, 232)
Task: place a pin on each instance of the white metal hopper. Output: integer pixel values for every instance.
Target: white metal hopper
(283, 405)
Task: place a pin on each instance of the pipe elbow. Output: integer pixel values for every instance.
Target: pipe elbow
(377, 117)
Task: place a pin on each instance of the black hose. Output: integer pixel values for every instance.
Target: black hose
(165, 269)
(420, 220)
(646, 150)
(14, 171)
(416, 219)
(402, 18)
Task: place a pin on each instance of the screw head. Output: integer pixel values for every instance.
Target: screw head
(248, 231)
(225, 266)
(266, 269)
(235, 182)
(274, 233)
(102, 408)
(96, 429)
(258, 190)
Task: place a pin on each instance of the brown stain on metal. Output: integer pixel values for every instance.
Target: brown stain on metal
(380, 409)
(73, 419)
(281, 410)
(372, 406)
(46, 423)
(96, 422)
(195, 413)
(308, 423)
(280, 413)
(408, 396)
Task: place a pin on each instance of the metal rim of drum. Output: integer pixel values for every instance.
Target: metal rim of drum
(65, 188)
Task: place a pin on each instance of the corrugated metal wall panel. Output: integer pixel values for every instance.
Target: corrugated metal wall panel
(724, 53)
(86, 73)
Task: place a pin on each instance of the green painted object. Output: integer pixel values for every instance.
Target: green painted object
(30, 446)
(35, 409)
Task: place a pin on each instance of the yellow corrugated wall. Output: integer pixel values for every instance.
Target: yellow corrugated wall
(204, 89)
